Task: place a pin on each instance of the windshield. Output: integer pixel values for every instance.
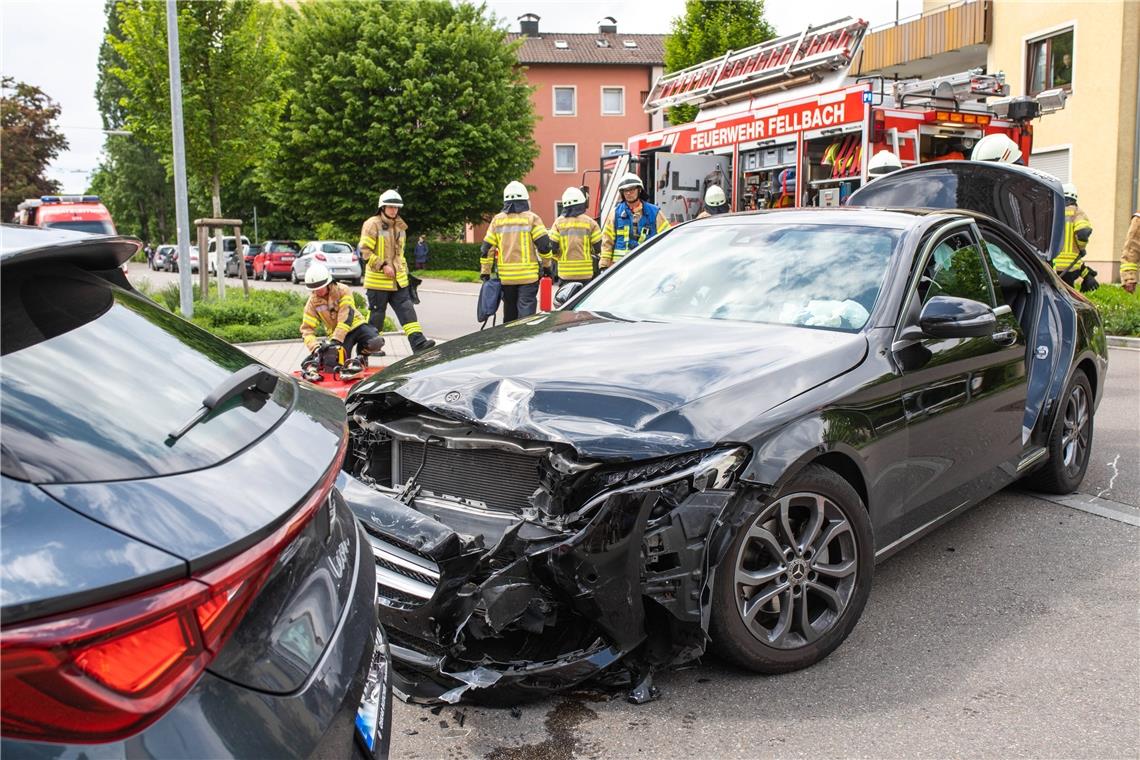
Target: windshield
(813, 275)
(335, 248)
(95, 227)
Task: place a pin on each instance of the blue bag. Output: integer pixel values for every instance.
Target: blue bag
(490, 295)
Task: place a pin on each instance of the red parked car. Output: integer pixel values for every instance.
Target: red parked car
(275, 259)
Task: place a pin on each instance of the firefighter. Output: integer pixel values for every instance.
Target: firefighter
(1069, 263)
(382, 240)
(576, 237)
(1130, 256)
(996, 147)
(715, 202)
(882, 163)
(331, 305)
(634, 221)
(518, 239)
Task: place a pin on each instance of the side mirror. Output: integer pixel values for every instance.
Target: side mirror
(566, 292)
(950, 317)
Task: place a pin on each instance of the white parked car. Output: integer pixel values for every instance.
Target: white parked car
(341, 259)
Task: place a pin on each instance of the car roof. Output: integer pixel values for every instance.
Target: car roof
(20, 243)
(898, 218)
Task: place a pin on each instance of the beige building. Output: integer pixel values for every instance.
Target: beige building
(1089, 47)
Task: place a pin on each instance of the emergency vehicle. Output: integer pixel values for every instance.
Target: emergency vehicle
(83, 213)
(784, 123)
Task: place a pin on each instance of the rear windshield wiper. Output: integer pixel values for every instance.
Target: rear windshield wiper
(253, 377)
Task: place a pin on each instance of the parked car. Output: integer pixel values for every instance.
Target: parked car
(341, 259)
(193, 259)
(718, 439)
(162, 256)
(182, 577)
(232, 266)
(275, 259)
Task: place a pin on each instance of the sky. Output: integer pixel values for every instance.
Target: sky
(54, 44)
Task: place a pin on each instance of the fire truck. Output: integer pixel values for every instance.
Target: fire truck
(84, 213)
(785, 124)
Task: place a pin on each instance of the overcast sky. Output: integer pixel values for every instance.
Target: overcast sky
(54, 44)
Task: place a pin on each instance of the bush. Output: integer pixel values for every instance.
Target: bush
(1119, 309)
(443, 255)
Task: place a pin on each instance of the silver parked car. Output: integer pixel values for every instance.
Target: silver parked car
(341, 259)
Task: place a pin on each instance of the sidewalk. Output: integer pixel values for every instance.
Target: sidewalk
(286, 355)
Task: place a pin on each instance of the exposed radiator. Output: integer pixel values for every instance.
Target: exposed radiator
(498, 479)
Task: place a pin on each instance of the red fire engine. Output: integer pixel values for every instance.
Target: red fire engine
(70, 212)
(784, 123)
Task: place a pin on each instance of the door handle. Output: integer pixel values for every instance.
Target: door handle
(1005, 337)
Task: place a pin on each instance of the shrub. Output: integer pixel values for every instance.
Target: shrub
(1119, 309)
(443, 255)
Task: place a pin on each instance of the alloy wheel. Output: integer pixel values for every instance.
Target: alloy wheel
(1075, 431)
(795, 571)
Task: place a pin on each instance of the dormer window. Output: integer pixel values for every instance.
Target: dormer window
(562, 44)
(629, 43)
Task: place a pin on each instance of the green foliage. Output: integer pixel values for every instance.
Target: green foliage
(30, 140)
(443, 255)
(1119, 309)
(330, 231)
(710, 28)
(229, 58)
(426, 97)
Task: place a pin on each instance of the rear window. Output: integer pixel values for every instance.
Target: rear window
(335, 248)
(283, 248)
(94, 378)
(93, 226)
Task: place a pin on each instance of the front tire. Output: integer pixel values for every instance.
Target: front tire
(1070, 441)
(796, 577)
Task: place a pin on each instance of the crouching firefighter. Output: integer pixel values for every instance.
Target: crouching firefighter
(330, 305)
(635, 220)
(577, 239)
(1069, 264)
(523, 247)
(382, 240)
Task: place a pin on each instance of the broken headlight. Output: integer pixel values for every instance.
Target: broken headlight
(708, 469)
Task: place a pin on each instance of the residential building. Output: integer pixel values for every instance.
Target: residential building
(1091, 48)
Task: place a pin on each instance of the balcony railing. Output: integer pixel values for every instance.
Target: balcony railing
(943, 30)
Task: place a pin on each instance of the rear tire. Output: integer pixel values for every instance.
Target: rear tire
(1070, 441)
(796, 576)
(293, 277)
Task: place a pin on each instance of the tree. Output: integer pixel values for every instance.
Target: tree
(131, 180)
(710, 28)
(29, 141)
(229, 59)
(424, 97)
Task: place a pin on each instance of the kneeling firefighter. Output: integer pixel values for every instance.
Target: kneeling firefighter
(330, 305)
(1069, 264)
(577, 239)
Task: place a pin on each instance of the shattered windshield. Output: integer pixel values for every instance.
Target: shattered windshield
(815, 275)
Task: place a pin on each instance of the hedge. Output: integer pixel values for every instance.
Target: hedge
(1119, 309)
(443, 255)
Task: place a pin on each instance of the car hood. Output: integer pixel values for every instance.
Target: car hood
(614, 389)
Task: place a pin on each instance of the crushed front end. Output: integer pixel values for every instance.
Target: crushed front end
(509, 567)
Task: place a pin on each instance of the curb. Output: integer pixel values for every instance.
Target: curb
(1120, 341)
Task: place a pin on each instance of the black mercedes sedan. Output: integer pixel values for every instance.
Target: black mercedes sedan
(179, 574)
(715, 442)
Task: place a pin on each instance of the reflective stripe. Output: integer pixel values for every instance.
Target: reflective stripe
(412, 327)
(310, 320)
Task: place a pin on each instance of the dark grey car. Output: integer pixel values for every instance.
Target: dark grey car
(181, 576)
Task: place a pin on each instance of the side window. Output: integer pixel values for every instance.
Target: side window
(956, 269)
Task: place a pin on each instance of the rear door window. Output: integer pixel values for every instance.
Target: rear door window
(94, 378)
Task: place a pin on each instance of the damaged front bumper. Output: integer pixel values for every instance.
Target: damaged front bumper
(501, 606)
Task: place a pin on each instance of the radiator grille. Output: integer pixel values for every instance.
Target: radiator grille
(499, 479)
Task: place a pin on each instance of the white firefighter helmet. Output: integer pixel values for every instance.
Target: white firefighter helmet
(390, 198)
(628, 180)
(317, 276)
(515, 191)
(572, 197)
(714, 196)
(1070, 191)
(996, 147)
(883, 162)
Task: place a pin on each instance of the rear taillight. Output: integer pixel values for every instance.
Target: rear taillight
(104, 673)
(320, 257)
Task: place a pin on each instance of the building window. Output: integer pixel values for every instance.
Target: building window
(608, 148)
(613, 101)
(1049, 62)
(566, 158)
(565, 101)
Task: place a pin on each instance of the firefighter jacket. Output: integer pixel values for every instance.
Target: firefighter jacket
(523, 246)
(382, 242)
(335, 310)
(1130, 256)
(1077, 232)
(630, 228)
(577, 237)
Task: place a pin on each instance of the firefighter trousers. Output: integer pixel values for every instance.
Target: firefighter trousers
(401, 302)
(519, 301)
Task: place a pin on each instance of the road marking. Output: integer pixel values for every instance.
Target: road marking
(1095, 505)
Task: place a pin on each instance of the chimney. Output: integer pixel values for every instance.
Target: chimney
(528, 25)
(608, 25)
